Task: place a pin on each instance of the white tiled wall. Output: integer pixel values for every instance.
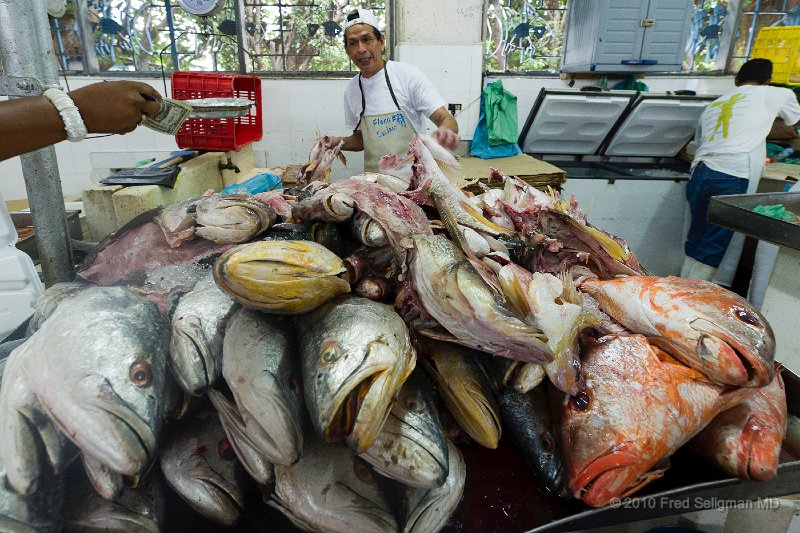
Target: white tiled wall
(456, 71)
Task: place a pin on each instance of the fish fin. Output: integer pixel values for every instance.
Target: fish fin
(489, 226)
(450, 223)
(569, 293)
(608, 244)
(342, 158)
(516, 295)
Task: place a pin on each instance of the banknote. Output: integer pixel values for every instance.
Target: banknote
(169, 118)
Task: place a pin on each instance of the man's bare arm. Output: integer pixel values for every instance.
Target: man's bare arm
(447, 134)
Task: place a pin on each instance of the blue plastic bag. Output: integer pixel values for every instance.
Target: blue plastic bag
(258, 183)
(480, 141)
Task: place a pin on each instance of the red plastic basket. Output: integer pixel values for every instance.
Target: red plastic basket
(214, 133)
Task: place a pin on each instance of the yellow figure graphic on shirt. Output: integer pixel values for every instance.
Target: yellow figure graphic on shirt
(725, 114)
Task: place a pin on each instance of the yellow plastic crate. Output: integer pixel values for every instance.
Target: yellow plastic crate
(781, 45)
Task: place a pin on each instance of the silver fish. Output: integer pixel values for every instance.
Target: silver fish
(139, 510)
(31, 447)
(412, 446)
(356, 354)
(329, 489)
(259, 365)
(97, 367)
(200, 464)
(48, 302)
(232, 218)
(253, 462)
(198, 326)
(38, 512)
(427, 510)
(456, 295)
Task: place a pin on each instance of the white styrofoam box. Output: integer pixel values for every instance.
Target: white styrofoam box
(19, 281)
(8, 233)
(19, 288)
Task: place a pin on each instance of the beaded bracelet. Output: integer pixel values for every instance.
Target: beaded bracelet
(73, 123)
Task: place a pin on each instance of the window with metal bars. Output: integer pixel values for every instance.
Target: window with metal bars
(281, 37)
(526, 36)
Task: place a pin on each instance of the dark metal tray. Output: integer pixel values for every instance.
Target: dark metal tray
(736, 212)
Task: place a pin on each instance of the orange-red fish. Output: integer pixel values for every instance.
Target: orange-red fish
(709, 328)
(639, 406)
(746, 441)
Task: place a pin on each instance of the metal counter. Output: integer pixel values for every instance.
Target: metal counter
(736, 212)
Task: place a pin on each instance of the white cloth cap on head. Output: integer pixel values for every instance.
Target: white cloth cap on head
(361, 16)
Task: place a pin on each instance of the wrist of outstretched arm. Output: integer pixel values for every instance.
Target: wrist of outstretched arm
(70, 115)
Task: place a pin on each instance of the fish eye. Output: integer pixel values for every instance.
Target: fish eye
(140, 374)
(547, 443)
(744, 316)
(413, 405)
(330, 354)
(363, 472)
(579, 402)
(225, 450)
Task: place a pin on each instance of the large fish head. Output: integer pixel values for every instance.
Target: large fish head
(733, 341)
(429, 510)
(606, 443)
(198, 327)
(527, 417)
(356, 355)
(233, 218)
(261, 368)
(99, 371)
(138, 510)
(191, 359)
(412, 446)
(762, 436)
(199, 462)
(331, 489)
(283, 277)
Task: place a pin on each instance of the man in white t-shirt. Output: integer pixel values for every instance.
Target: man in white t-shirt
(387, 103)
(732, 133)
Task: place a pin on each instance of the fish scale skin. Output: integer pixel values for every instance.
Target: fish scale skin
(679, 314)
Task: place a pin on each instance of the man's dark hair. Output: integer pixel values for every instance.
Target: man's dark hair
(354, 15)
(755, 70)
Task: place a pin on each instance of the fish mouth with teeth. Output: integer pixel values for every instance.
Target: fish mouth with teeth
(606, 476)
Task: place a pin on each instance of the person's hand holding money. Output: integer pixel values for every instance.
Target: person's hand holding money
(116, 106)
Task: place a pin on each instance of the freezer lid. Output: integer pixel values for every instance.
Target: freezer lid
(656, 125)
(572, 122)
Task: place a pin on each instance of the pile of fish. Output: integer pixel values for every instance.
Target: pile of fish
(335, 343)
